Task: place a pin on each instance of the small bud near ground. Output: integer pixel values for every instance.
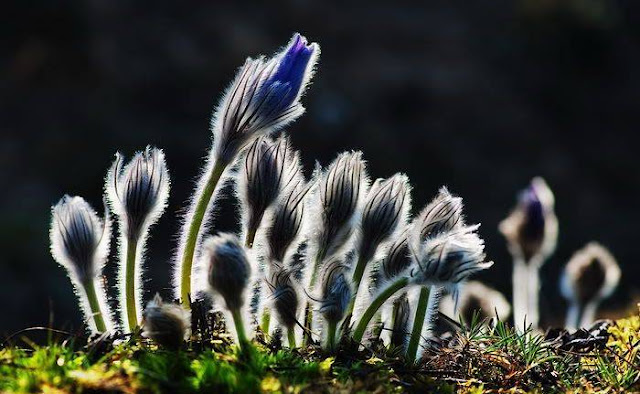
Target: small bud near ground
(166, 324)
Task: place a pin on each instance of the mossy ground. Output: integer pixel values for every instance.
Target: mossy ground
(474, 361)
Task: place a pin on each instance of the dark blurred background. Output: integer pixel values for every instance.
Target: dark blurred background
(480, 96)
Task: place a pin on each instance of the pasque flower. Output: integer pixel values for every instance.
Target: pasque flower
(167, 324)
(589, 277)
(80, 243)
(264, 97)
(138, 194)
(336, 296)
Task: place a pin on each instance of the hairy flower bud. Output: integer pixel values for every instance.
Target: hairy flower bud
(336, 292)
(398, 258)
(477, 299)
(386, 207)
(341, 189)
(269, 167)
(591, 274)
(285, 298)
(264, 97)
(287, 221)
(138, 192)
(532, 227)
(80, 243)
(400, 320)
(166, 324)
(441, 215)
(228, 269)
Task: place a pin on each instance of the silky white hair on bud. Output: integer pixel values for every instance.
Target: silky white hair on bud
(138, 194)
(80, 243)
(166, 324)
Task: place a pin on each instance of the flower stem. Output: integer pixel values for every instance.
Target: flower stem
(291, 335)
(376, 304)
(266, 320)
(356, 279)
(331, 335)
(418, 322)
(129, 284)
(194, 229)
(239, 324)
(90, 289)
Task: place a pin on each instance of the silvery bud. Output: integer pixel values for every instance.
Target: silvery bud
(532, 227)
(591, 274)
(443, 214)
(385, 209)
(228, 269)
(341, 189)
(79, 238)
(167, 324)
(449, 259)
(400, 321)
(287, 221)
(264, 97)
(285, 298)
(138, 192)
(268, 168)
(398, 257)
(336, 292)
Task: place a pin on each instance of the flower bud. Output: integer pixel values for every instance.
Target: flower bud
(341, 189)
(398, 258)
(532, 227)
(138, 193)
(285, 298)
(336, 292)
(441, 215)
(476, 298)
(269, 167)
(592, 274)
(386, 207)
(228, 269)
(400, 321)
(166, 324)
(264, 97)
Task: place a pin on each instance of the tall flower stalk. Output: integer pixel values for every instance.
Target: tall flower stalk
(80, 243)
(264, 97)
(531, 231)
(138, 194)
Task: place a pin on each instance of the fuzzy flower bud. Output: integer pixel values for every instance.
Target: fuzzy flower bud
(228, 269)
(336, 293)
(477, 299)
(532, 227)
(591, 274)
(138, 192)
(264, 97)
(80, 243)
(342, 187)
(400, 321)
(398, 257)
(166, 324)
(386, 207)
(268, 168)
(287, 221)
(441, 215)
(285, 298)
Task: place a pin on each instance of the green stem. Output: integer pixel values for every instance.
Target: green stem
(291, 334)
(251, 235)
(129, 284)
(356, 279)
(418, 323)
(194, 229)
(266, 320)
(331, 335)
(239, 324)
(308, 317)
(376, 304)
(90, 290)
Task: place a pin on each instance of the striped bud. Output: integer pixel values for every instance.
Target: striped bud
(166, 324)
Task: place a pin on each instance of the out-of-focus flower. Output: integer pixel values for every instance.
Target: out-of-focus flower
(476, 298)
(166, 324)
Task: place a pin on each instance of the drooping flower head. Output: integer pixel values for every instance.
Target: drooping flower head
(79, 238)
(591, 275)
(341, 190)
(264, 97)
(385, 209)
(167, 324)
(228, 269)
(336, 292)
(269, 168)
(285, 298)
(138, 192)
(532, 227)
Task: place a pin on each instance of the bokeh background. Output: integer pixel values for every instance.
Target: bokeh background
(480, 96)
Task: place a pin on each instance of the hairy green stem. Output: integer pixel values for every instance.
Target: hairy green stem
(331, 335)
(418, 323)
(194, 229)
(377, 302)
(266, 320)
(239, 324)
(92, 297)
(130, 283)
(291, 335)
